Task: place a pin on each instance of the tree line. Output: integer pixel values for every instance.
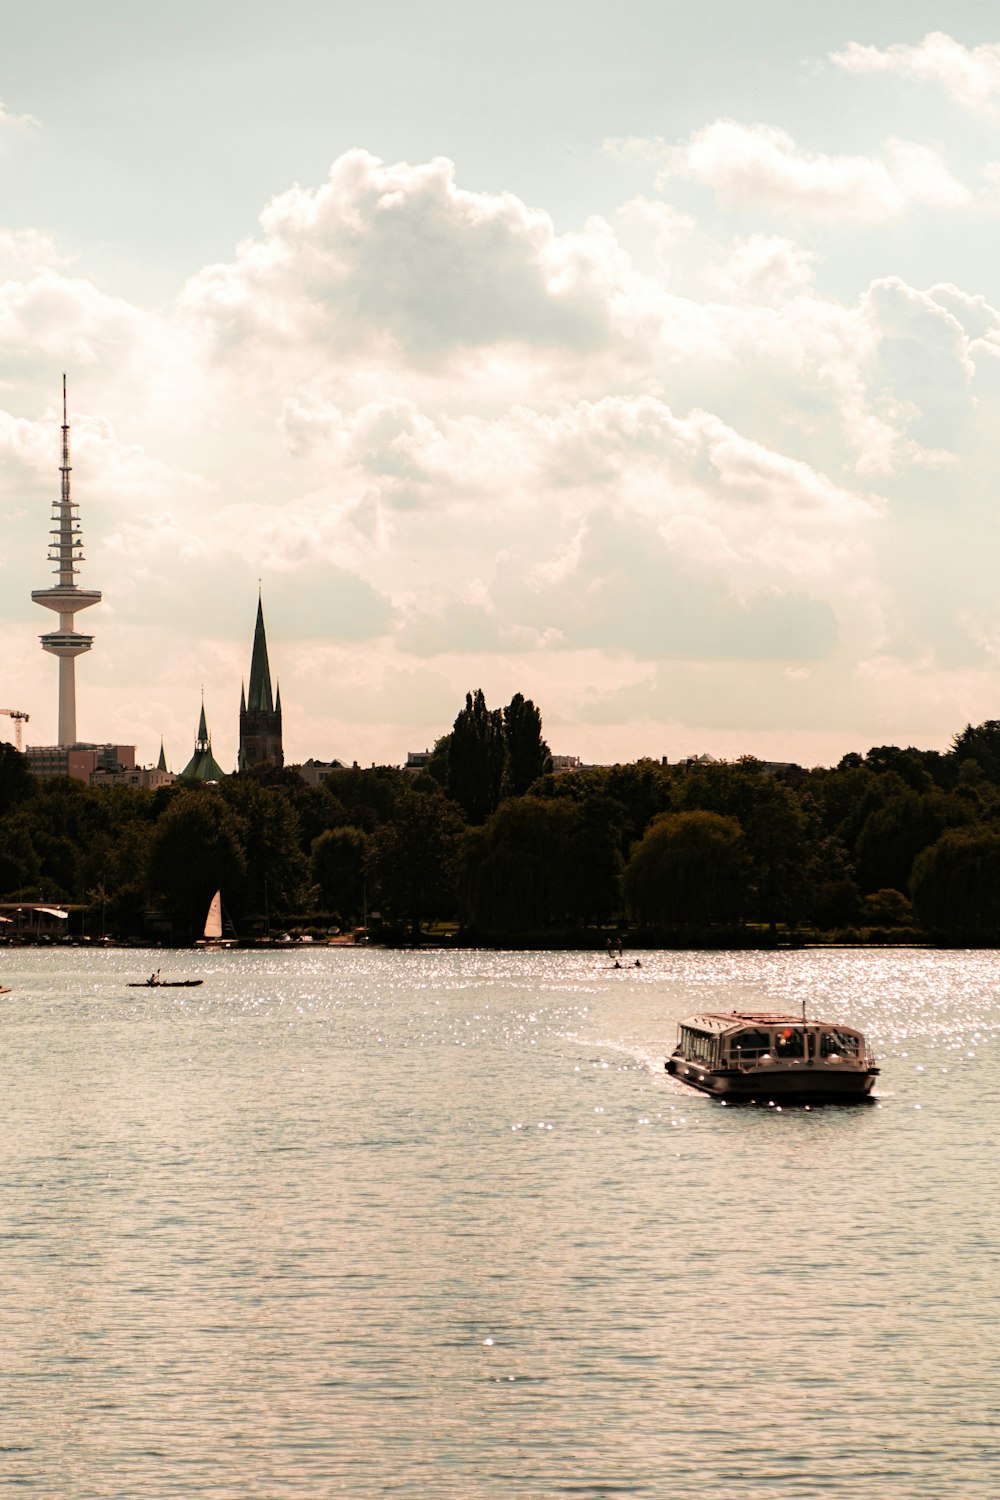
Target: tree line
(895, 844)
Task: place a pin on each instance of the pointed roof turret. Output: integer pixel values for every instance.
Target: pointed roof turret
(161, 764)
(259, 696)
(203, 765)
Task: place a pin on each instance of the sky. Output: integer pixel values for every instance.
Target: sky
(639, 357)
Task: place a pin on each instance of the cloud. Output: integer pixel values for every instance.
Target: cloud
(763, 166)
(626, 589)
(461, 447)
(9, 122)
(969, 75)
(50, 318)
(401, 254)
(766, 268)
(23, 252)
(923, 359)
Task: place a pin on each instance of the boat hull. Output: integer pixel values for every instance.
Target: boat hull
(777, 1085)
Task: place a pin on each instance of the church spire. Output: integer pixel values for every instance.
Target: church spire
(259, 699)
(260, 715)
(203, 765)
(202, 742)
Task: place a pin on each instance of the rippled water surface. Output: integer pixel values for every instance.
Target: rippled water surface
(351, 1223)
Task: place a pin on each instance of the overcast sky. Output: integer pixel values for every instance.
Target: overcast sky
(640, 357)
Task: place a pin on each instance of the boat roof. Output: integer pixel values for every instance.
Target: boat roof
(734, 1020)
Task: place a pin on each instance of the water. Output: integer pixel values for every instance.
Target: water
(350, 1223)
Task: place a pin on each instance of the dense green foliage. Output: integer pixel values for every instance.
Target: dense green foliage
(897, 843)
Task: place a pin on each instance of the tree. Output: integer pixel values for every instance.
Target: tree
(476, 753)
(526, 755)
(16, 782)
(908, 765)
(338, 869)
(413, 859)
(596, 852)
(688, 870)
(982, 745)
(519, 870)
(197, 849)
(888, 908)
(955, 885)
(894, 835)
(275, 864)
(776, 841)
(835, 900)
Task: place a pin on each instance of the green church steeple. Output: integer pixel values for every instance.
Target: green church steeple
(203, 765)
(260, 714)
(259, 699)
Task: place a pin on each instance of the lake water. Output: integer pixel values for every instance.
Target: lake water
(353, 1223)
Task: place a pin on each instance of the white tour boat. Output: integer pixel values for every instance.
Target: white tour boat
(761, 1057)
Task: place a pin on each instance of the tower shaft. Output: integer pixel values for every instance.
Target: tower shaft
(66, 551)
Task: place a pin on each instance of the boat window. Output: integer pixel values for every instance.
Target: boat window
(838, 1044)
(789, 1041)
(699, 1046)
(750, 1043)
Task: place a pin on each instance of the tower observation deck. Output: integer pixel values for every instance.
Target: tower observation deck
(66, 551)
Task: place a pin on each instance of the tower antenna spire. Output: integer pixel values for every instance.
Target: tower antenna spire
(66, 551)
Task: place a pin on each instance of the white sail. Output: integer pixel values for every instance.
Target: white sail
(213, 922)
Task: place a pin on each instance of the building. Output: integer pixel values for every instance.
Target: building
(66, 598)
(203, 765)
(149, 778)
(260, 714)
(80, 761)
(418, 760)
(315, 772)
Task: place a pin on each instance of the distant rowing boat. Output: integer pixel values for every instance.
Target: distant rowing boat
(154, 983)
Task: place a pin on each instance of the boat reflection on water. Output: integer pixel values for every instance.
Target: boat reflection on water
(763, 1057)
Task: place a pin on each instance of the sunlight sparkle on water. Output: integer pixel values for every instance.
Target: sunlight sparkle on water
(316, 1172)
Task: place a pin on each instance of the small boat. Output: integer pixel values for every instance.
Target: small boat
(763, 1057)
(4, 989)
(154, 982)
(212, 935)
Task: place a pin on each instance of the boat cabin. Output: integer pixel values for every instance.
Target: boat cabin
(744, 1040)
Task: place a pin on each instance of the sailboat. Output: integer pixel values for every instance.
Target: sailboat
(212, 935)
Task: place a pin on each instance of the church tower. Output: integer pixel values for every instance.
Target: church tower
(260, 714)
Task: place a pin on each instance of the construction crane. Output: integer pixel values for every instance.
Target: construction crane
(20, 719)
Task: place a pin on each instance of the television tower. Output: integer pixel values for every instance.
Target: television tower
(66, 550)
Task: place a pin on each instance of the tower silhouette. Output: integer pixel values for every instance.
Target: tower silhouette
(66, 551)
(260, 713)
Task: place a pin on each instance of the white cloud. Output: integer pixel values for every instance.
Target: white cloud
(763, 166)
(16, 122)
(765, 268)
(969, 75)
(66, 321)
(401, 254)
